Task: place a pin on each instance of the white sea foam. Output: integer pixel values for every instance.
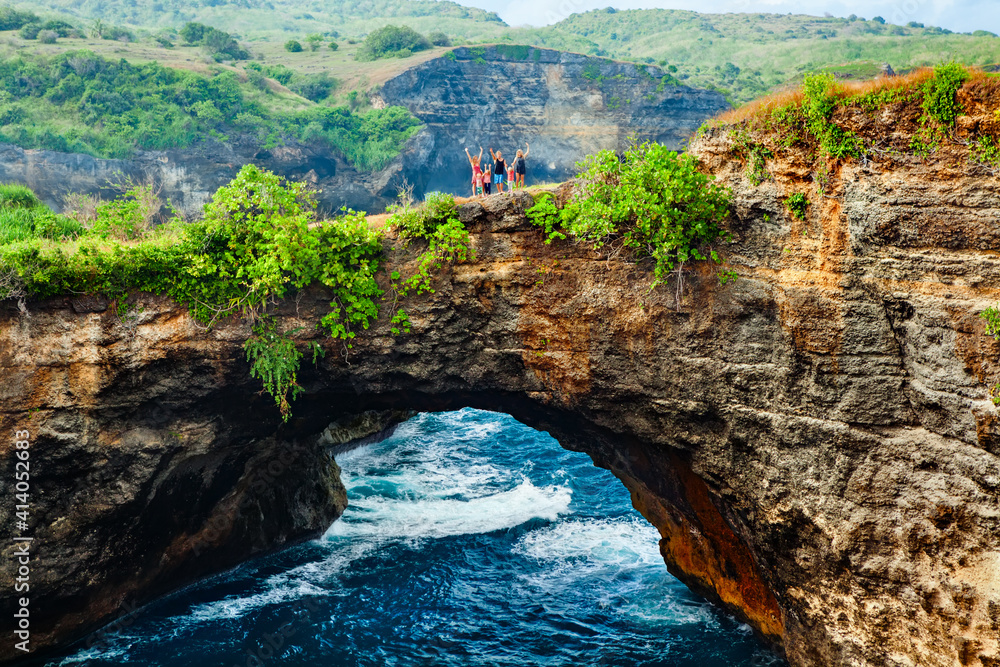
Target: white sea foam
(625, 541)
(622, 550)
(436, 517)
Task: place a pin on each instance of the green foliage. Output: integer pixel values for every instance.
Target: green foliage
(544, 214)
(314, 87)
(254, 244)
(23, 216)
(653, 203)
(80, 102)
(797, 205)
(514, 51)
(436, 223)
(820, 103)
(450, 55)
(992, 317)
(293, 46)
(278, 72)
(314, 40)
(755, 154)
(439, 38)
(13, 19)
(939, 93)
(986, 151)
(392, 41)
(333, 46)
(113, 107)
(591, 71)
(127, 217)
(274, 361)
(400, 322)
(369, 140)
(15, 195)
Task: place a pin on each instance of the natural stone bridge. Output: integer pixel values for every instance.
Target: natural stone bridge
(815, 442)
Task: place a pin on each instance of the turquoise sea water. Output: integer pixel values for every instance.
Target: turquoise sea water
(470, 539)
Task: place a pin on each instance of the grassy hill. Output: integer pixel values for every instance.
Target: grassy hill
(277, 19)
(748, 55)
(743, 55)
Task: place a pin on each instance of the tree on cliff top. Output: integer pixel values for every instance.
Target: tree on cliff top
(392, 41)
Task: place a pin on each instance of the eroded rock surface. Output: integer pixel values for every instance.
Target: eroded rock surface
(187, 178)
(815, 442)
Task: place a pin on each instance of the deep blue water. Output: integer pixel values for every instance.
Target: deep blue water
(470, 539)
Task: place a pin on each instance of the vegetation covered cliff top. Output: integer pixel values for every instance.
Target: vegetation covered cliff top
(948, 108)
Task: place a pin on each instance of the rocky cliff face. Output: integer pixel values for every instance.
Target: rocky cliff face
(565, 105)
(815, 442)
(188, 178)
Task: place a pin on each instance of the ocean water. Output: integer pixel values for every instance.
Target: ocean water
(470, 540)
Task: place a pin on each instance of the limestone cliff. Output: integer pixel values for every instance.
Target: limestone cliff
(565, 105)
(815, 442)
(187, 178)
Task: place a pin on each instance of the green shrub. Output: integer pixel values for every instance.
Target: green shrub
(544, 214)
(820, 103)
(13, 19)
(333, 46)
(392, 41)
(216, 42)
(30, 31)
(274, 361)
(315, 87)
(23, 216)
(14, 195)
(939, 93)
(439, 39)
(315, 40)
(293, 46)
(986, 151)
(447, 241)
(797, 205)
(652, 202)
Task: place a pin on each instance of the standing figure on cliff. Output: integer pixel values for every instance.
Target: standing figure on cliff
(519, 164)
(511, 176)
(499, 169)
(477, 170)
(477, 184)
(487, 181)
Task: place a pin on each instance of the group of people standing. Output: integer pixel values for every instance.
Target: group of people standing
(483, 180)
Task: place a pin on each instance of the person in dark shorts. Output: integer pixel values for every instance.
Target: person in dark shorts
(487, 181)
(519, 164)
(499, 169)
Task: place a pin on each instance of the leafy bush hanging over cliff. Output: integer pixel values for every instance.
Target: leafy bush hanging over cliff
(258, 241)
(650, 202)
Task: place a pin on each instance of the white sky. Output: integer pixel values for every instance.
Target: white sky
(957, 15)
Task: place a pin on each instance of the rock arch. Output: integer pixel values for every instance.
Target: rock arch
(769, 428)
